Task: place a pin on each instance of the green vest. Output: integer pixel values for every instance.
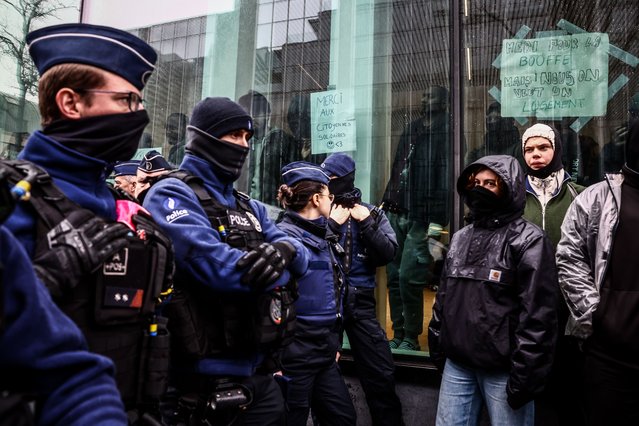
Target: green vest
(555, 211)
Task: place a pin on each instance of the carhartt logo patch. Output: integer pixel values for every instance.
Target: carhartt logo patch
(494, 275)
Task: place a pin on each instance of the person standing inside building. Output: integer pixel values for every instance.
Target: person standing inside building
(369, 242)
(310, 360)
(494, 322)
(549, 193)
(598, 274)
(417, 200)
(48, 376)
(232, 271)
(124, 176)
(90, 100)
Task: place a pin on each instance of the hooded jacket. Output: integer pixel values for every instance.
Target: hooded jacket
(496, 307)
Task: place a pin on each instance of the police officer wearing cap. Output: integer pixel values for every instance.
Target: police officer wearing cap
(149, 169)
(369, 242)
(92, 113)
(43, 356)
(232, 266)
(310, 361)
(124, 176)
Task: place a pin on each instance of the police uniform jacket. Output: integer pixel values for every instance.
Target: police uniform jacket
(372, 244)
(79, 177)
(496, 306)
(44, 354)
(200, 253)
(319, 303)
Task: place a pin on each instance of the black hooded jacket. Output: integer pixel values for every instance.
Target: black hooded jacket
(496, 307)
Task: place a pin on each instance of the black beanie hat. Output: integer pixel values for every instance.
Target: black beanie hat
(220, 116)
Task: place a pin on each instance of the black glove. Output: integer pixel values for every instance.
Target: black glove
(267, 261)
(79, 245)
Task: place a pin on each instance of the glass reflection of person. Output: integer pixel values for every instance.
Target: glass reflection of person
(260, 110)
(614, 151)
(502, 136)
(176, 137)
(279, 148)
(417, 199)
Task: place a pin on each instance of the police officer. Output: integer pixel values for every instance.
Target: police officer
(369, 241)
(90, 102)
(124, 176)
(43, 355)
(231, 263)
(149, 169)
(310, 361)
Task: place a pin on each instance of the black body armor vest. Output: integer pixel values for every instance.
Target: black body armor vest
(205, 323)
(116, 307)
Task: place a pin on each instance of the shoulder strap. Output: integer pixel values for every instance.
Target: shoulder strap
(49, 203)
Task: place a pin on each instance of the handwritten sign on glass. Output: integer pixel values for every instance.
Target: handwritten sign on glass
(332, 122)
(554, 77)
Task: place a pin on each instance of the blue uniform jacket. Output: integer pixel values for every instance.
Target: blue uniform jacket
(42, 352)
(373, 244)
(200, 253)
(318, 302)
(79, 177)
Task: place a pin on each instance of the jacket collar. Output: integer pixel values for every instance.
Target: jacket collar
(201, 168)
(58, 161)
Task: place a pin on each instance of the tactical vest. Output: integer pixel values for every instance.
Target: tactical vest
(116, 307)
(205, 323)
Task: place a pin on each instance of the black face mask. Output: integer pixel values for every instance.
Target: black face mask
(227, 158)
(111, 138)
(343, 188)
(482, 202)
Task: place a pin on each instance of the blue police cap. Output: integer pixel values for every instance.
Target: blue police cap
(303, 170)
(125, 168)
(107, 48)
(338, 164)
(153, 162)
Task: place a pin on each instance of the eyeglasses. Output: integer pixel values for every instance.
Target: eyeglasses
(133, 99)
(331, 197)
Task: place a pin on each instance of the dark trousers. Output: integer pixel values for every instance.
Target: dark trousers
(266, 408)
(372, 356)
(407, 274)
(315, 380)
(611, 393)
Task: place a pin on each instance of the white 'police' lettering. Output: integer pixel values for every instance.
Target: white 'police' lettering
(176, 214)
(238, 220)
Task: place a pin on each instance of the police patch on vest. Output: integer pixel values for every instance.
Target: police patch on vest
(123, 297)
(240, 221)
(494, 275)
(256, 223)
(275, 310)
(170, 203)
(118, 263)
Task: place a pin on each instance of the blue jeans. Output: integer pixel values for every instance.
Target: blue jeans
(462, 392)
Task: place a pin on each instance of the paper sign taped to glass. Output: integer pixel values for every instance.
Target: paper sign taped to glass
(555, 77)
(332, 122)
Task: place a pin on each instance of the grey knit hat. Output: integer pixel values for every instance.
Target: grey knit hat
(539, 129)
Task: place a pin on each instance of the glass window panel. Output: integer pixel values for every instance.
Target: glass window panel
(295, 31)
(265, 13)
(192, 46)
(179, 47)
(296, 9)
(280, 34)
(180, 28)
(263, 36)
(156, 33)
(280, 11)
(168, 31)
